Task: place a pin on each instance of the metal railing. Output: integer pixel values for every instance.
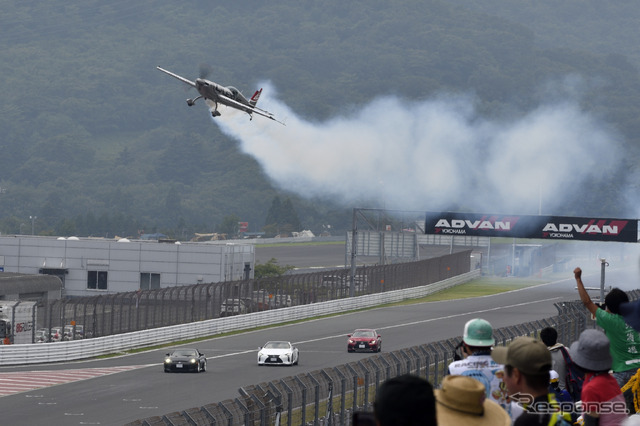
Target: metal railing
(19, 354)
(119, 313)
(331, 395)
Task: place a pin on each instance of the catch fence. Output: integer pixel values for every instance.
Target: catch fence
(110, 314)
(330, 396)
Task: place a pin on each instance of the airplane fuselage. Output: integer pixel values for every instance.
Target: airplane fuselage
(214, 92)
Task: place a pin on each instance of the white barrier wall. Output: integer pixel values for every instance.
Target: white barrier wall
(79, 349)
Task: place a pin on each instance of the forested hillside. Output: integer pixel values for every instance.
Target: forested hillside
(96, 141)
(581, 25)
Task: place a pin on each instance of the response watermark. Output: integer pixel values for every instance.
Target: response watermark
(546, 407)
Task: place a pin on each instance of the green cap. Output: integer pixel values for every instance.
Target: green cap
(478, 332)
(527, 354)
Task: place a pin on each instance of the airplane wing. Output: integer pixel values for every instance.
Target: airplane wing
(182, 79)
(265, 114)
(249, 109)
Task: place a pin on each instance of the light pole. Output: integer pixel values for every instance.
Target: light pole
(33, 220)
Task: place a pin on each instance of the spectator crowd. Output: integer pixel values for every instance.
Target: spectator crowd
(532, 381)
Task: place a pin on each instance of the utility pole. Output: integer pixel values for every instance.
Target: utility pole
(354, 256)
(603, 265)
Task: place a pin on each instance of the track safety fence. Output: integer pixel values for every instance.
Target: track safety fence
(128, 312)
(331, 395)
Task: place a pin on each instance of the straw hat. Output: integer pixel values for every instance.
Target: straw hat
(462, 400)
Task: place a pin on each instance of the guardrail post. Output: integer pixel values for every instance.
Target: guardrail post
(227, 413)
(343, 392)
(427, 362)
(94, 319)
(445, 359)
(408, 360)
(208, 303)
(276, 398)
(63, 317)
(565, 324)
(245, 409)
(167, 421)
(366, 385)
(316, 383)
(261, 408)
(163, 293)
(289, 392)
(355, 386)
(209, 416)
(252, 398)
(188, 418)
(193, 304)
(373, 361)
(387, 367)
(398, 363)
(417, 359)
(304, 399)
(330, 398)
(436, 365)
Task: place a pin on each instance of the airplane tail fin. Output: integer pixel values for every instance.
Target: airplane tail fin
(255, 97)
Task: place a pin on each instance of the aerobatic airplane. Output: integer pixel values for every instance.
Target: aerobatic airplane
(215, 94)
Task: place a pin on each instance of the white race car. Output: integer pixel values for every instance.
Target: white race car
(278, 353)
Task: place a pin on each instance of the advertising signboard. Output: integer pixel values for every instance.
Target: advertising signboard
(541, 227)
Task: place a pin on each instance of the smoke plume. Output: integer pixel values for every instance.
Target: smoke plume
(429, 155)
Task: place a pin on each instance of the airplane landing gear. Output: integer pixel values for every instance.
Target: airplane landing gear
(215, 113)
(192, 102)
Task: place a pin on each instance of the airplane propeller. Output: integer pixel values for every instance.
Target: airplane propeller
(205, 70)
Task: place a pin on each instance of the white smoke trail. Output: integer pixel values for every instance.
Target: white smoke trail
(429, 155)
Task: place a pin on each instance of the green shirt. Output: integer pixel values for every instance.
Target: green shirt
(624, 341)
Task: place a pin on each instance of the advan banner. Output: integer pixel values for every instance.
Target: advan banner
(541, 227)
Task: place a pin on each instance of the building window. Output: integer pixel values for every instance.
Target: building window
(60, 273)
(149, 281)
(97, 280)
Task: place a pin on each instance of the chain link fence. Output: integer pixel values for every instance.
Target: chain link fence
(109, 314)
(330, 396)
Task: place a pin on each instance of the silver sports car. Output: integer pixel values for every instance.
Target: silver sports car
(278, 353)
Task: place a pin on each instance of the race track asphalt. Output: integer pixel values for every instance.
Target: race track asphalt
(144, 390)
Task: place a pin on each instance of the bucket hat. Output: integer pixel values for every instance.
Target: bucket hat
(462, 400)
(591, 351)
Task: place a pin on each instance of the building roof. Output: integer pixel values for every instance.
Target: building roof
(14, 283)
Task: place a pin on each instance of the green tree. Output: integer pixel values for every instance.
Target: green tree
(275, 211)
(289, 216)
(271, 230)
(98, 128)
(65, 228)
(270, 269)
(281, 218)
(229, 225)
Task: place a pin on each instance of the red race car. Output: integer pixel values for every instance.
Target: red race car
(364, 339)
